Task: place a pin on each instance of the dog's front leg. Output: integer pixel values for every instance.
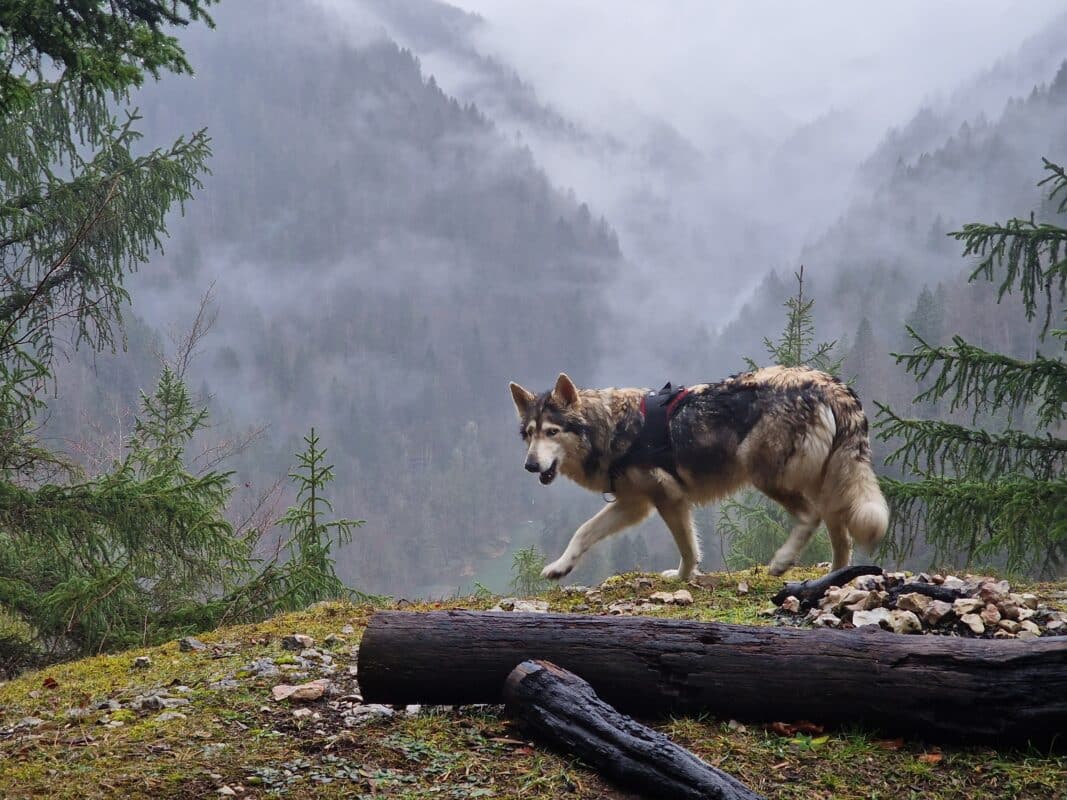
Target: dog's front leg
(611, 519)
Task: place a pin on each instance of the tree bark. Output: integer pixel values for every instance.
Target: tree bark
(563, 710)
(935, 686)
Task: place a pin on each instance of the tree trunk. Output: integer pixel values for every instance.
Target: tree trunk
(562, 709)
(935, 686)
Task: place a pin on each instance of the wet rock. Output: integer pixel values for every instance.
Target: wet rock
(874, 616)
(904, 622)
(297, 642)
(1030, 625)
(974, 622)
(1056, 626)
(621, 607)
(1028, 600)
(990, 615)
(682, 597)
(1009, 625)
(915, 603)
(967, 605)
(936, 611)
(662, 597)
(952, 582)
(142, 662)
(1025, 613)
(1027, 636)
(305, 691)
(826, 620)
(994, 591)
(1008, 609)
(869, 583)
(791, 604)
(190, 644)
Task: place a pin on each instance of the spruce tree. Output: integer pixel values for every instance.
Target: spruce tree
(995, 496)
(752, 526)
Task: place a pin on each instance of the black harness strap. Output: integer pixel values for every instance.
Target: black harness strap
(653, 446)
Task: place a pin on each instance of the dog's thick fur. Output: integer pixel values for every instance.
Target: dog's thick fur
(796, 434)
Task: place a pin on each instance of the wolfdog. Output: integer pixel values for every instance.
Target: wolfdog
(796, 434)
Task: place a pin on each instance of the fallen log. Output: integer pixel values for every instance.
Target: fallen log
(563, 710)
(928, 589)
(936, 687)
(809, 592)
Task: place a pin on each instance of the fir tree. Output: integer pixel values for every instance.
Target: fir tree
(998, 496)
(753, 527)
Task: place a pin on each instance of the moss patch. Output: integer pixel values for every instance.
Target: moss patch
(231, 733)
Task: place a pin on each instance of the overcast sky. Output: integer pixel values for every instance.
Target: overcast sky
(756, 58)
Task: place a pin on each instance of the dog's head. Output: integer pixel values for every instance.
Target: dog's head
(550, 426)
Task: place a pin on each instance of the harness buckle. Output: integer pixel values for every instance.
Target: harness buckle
(608, 497)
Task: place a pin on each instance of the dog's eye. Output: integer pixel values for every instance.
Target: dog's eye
(552, 432)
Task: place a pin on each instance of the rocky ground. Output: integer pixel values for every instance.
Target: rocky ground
(274, 710)
(976, 606)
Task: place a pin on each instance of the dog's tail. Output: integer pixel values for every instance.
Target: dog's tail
(849, 473)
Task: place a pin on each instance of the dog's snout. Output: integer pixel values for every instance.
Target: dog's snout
(533, 466)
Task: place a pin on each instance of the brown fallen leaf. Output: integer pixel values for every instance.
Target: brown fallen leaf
(931, 758)
(50, 683)
(806, 726)
(783, 729)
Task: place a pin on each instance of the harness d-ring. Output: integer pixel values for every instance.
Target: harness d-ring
(609, 497)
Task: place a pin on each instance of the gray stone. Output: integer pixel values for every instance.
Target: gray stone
(1056, 626)
(662, 597)
(791, 604)
(190, 644)
(874, 616)
(621, 607)
(904, 622)
(1030, 625)
(29, 722)
(967, 605)
(170, 716)
(683, 597)
(1009, 625)
(869, 583)
(952, 582)
(974, 622)
(990, 615)
(936, 612)
(994, 591)
(348, 630)
(1027, 636)
(297, 642)
(826, 620)
(1002, 634)
(914, 602)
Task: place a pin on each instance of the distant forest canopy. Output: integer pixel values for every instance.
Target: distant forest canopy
(385, 260)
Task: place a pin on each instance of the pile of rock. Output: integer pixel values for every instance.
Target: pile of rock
(975, 606)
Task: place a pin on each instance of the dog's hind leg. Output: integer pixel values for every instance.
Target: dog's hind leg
(839, 541)
(679, 518)
(611, 519)
(807, 521)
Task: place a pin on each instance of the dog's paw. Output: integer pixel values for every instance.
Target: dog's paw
(557, 570)
(669, 573)
(777, 568)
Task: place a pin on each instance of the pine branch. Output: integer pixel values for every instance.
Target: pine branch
(931, 446)
(1028, 515)
(1032, 255)
(988, 381)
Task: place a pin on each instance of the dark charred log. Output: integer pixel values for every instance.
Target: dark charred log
(928, 589)
(562, 710)
(809, 592)
(934, 687)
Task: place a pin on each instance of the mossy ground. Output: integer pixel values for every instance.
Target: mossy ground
(242, 739)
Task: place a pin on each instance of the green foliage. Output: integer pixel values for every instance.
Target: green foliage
(526, 566)
(996, 496)
(101, 46)
(754, 529)
(752, 526)
(796, 345)
(306, 575)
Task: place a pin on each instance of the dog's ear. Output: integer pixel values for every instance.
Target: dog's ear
(522, 397)
(566, 393)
